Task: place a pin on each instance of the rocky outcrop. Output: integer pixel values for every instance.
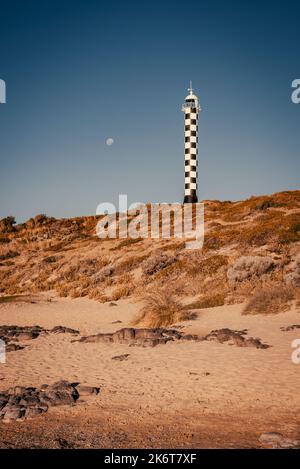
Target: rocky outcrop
(142, 337)
(21, 403)
(63, 330)
(290, 328)
(235, 338)
(8, 333)
(12, 334)
(121, 358)
(152, 337)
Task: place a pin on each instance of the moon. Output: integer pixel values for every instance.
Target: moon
(109, 141)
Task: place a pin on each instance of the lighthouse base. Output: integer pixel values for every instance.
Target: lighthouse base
(190, 199)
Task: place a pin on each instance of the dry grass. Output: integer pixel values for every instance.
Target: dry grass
(270, 299)
(246, 267)
(273, 227)
(206, 266)
(130, 264)
(126, 242)
(173, 246)
(65, 255)
(237, 211)
(9, 255)
(161, 309)
(156, 263)
(207, 301)
(121, 292)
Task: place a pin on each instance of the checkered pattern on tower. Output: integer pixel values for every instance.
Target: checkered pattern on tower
(191, 109)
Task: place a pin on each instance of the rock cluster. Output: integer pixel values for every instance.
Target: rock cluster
(63, 330)
(152, 337)
(290, 328)
(21, 403)
(12, 334)
(9, 333)
(121, 358)
(236, 338)
(143, 337)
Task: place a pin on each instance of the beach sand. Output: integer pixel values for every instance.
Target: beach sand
(179, 395)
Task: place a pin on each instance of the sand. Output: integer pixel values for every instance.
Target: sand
(189, 394)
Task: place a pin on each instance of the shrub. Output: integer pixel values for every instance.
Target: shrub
(7, 224)
(295, 228)
(248, 266)
(121, 292)
(292, 275)
(207, 266)
(270, 300)
(161, 309)
(103, 274)
(39, 220)
(4, 240)
(156, 263)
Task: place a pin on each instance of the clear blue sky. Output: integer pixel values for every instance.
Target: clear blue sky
(80, 71)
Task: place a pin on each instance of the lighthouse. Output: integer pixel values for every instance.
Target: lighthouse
(191, 109)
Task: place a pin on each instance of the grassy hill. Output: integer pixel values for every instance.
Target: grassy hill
(251, 254)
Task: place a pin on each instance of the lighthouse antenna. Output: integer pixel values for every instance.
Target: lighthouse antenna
(190, 89)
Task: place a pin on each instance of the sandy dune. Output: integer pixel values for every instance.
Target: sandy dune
(178, 394)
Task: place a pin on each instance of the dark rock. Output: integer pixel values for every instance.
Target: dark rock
(13, 347)
(9, 333)
(32, 412)
(121, 358)
(19, 403)
(290, 328)
(12, 413)
(190, 337)
(65, 444)
(131, 336)
(60, 393)
(63, 330)
(44, 387)
(14, 400)
(27, 335)
(16, 391)
(19, 333)
(235, 337)
(29, 400)
(112, 304)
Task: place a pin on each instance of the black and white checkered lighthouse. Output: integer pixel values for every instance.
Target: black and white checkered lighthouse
(191, 109)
